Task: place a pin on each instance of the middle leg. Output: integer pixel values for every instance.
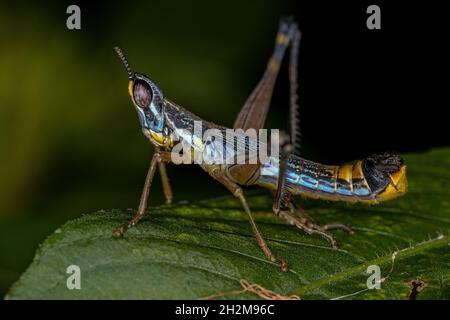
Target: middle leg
(236, 190)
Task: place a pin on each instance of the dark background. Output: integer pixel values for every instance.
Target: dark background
(70, 141)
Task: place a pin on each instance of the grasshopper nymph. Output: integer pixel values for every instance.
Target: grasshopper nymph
(372, 180)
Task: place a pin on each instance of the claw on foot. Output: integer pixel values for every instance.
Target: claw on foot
(281, 262)
(283, 265)
(329, 237)
(119, 232)
(334, 243)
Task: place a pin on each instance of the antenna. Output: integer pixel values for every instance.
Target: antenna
(124, 61)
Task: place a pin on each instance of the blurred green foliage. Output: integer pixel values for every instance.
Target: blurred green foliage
(70, 141)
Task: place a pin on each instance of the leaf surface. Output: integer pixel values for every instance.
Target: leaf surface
(190, 251)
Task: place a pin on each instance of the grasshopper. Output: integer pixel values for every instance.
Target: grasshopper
(372, 180)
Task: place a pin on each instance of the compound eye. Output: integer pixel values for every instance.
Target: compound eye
(142, 94)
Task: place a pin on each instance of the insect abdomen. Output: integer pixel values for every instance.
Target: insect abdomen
(311, 179)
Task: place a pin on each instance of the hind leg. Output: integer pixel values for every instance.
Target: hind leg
(303, 223)
(285, 207)
(306, 218)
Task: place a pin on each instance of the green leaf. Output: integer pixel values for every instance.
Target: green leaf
(189, 251)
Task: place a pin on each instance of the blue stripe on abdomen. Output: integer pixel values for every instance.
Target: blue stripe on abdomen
(344, 191)
(326, 185)
(360, 187)
(308, 181)
(361, 191)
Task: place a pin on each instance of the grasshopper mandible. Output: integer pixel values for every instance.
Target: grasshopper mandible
(372, 180)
